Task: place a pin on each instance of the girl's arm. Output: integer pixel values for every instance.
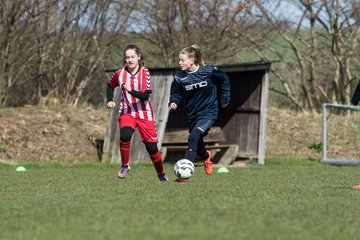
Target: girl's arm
(141, 95)
(109, 93)
(224, 81)
(175, 94)
(138, 94)
(112, 84)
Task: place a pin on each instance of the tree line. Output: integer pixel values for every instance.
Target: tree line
(57, 50)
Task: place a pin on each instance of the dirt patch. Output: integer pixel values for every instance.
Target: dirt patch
(65, 134)
(44, 134)
(297, 134)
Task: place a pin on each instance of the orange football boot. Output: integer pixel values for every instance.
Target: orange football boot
(208, 164)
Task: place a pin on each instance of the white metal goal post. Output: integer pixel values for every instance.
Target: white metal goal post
(325, 160)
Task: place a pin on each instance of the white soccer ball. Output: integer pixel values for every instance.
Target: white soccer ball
(184, 169)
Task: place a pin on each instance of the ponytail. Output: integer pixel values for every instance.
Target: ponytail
(194, 52)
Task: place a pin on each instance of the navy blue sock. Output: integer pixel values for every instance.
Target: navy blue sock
(190, 155)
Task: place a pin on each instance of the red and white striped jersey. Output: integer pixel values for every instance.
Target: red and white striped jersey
(140, 81)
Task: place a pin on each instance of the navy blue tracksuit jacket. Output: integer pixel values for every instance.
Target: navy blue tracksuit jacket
(199, 92)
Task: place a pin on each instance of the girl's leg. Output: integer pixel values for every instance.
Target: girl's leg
(193, 140)
(198, 130)
(147, 131)
(206, 155)
(196, 144)
(201, 150)
(155, 156)
(125, 138)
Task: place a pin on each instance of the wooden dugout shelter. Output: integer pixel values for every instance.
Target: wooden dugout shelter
(242, 123)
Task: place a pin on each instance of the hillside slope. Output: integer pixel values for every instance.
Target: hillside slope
(50, 134)
(61, 134)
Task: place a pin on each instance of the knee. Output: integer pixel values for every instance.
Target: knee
(126, 134)
(151, 148)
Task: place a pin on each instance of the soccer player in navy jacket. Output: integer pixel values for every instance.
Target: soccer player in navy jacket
(196, 84)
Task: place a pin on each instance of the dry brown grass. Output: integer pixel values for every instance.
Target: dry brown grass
(291, 133)
(62, 134)
(43, 134)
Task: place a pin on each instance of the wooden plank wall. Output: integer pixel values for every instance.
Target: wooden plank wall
(240, 120)
(111, 151)
(242, 129)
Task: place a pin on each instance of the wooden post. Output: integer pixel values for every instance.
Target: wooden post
(263, 118)
(111, 151)
(229, 155)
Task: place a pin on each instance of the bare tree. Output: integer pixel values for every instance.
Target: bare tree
(178, 23)
(17, 53)
(323, 41)
(158, 21)
(57, 48)
(341, 24)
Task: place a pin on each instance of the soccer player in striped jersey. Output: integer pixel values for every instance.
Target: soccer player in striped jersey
(196, 84)
(135, 109)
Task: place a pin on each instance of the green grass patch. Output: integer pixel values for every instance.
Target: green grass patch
(2, 147)
(285, 199)
(316, 146)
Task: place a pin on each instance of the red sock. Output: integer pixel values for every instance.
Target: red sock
(125, 152)
(157, 162)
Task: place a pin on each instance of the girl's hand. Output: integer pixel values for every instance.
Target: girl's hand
(127, 87)
(172, 106)
(111, 104)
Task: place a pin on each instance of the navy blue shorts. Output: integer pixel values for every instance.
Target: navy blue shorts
(203, 125)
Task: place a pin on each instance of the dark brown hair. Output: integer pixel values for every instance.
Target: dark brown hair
(138, 52)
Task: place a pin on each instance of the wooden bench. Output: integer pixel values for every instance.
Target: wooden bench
(175, 140)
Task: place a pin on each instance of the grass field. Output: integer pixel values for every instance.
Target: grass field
(285, 199)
